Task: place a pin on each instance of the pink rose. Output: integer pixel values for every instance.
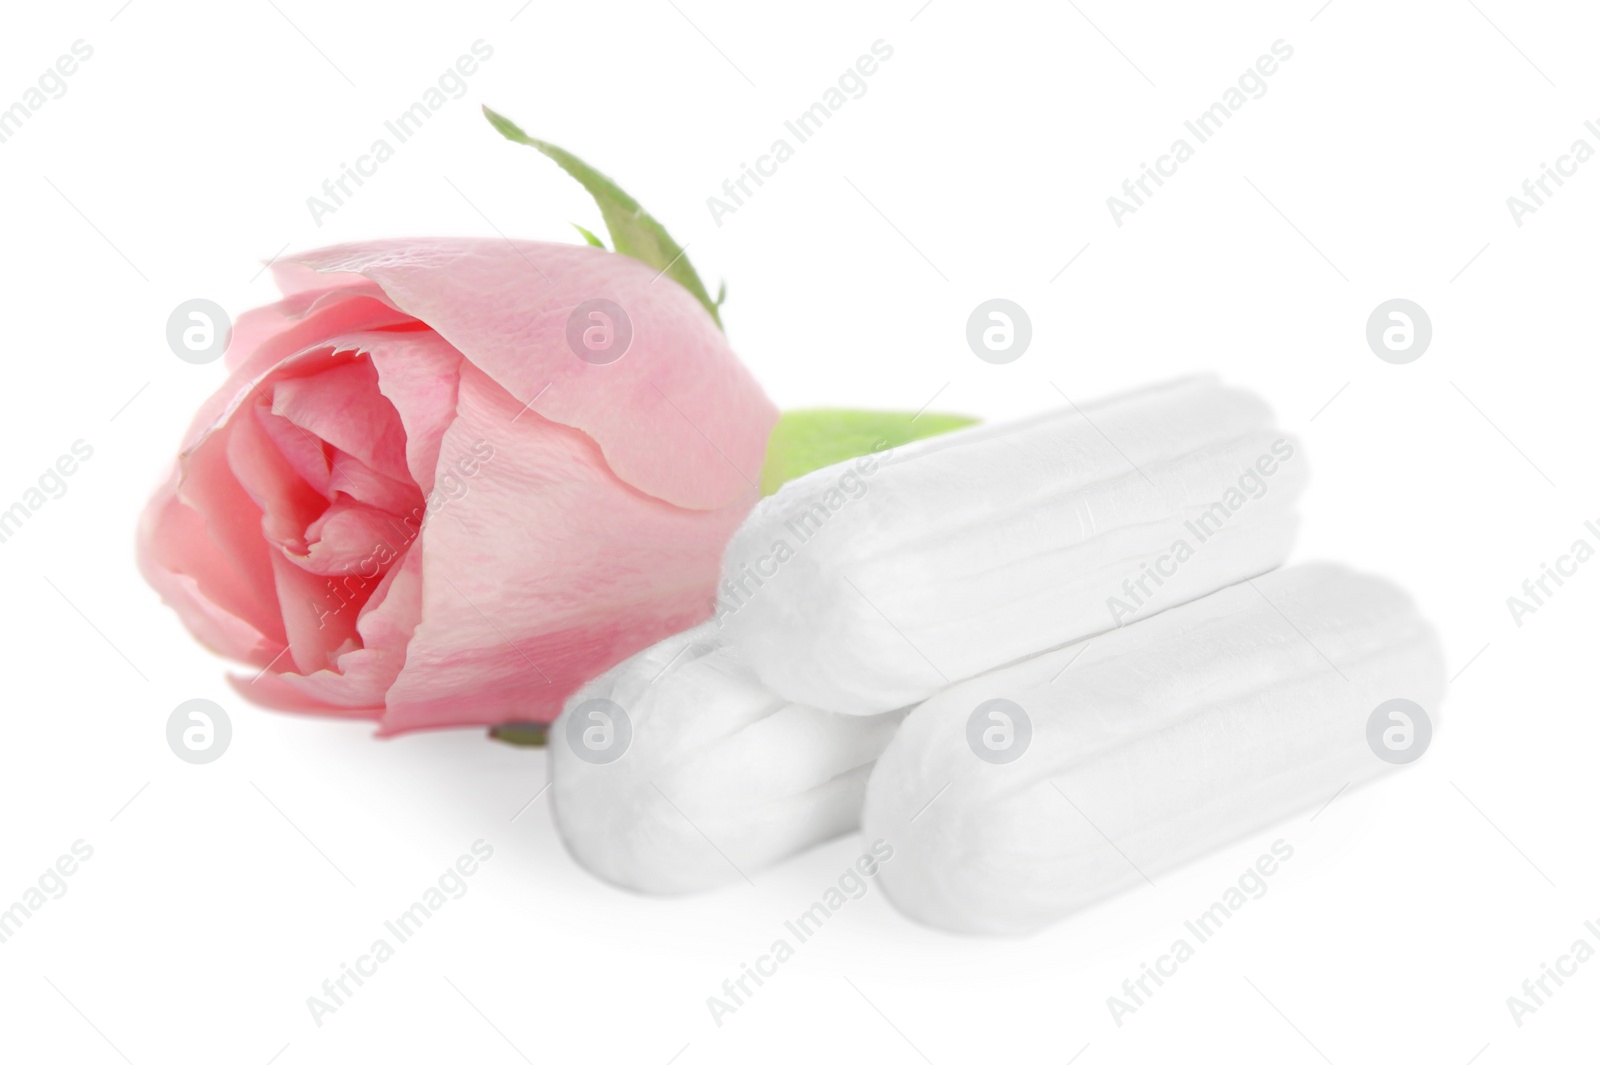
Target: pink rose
(413, 501)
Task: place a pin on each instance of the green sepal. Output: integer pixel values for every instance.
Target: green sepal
(806, 440)
(521, 733)
(633, 232)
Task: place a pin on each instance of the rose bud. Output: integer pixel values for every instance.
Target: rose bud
(442, 485)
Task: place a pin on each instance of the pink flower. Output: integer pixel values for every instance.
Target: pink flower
(412, 501)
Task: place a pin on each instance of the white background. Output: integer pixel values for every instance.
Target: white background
(977, 165)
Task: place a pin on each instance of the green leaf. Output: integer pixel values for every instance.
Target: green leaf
(633, 231)
(588, 237)
(806, 440)
(521, 733)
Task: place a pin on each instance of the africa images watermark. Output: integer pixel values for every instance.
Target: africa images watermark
(1536, 991)
(1252, 484)
(52, 484)
(738, 589)
(1252, 884)
(52, 884)
(851, 884)
(802, 127)
(1203, 127)
(51, 85)
(402, 128)
(450, 484)
(1538, 590)
(451, 884)
(1567, 165)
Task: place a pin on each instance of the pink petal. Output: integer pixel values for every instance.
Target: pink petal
(678, 416)
(285, 337)
(305, 454)
(283, 691)
(342, 405)
(418, 373)
(350, 538)
(306, 287)
(319, 620)
(256, 328)
(179, 560)
(545, 572)
(350, 476)
(359, 678)
(236, 574)
(288, 504)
